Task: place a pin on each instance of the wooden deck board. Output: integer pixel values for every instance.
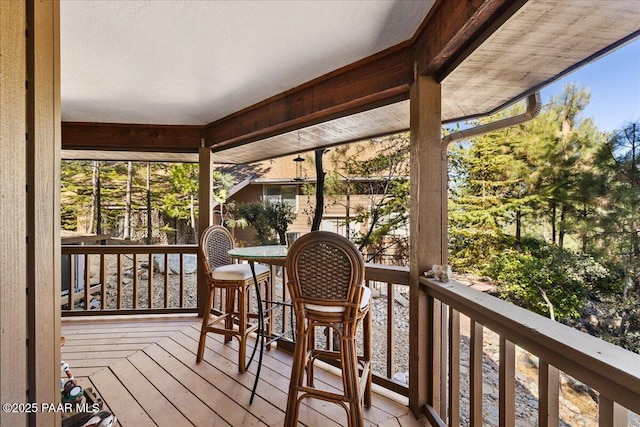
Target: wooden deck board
(145, 372)
(188, 403)
(273, 383)
(276, 370)
(276, 396)
(156, 405)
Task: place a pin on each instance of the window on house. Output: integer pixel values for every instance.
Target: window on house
(284, 193)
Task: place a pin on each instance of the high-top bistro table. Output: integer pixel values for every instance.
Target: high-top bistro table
(272, 255)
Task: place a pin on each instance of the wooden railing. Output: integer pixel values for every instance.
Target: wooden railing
(614, 373)
(390, 283)
(114, 286)
(127, 279)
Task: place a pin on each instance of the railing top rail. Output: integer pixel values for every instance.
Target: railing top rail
(387, 273)
(129, 249)
(609, 369)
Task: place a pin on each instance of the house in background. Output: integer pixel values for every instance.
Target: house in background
(347, 196)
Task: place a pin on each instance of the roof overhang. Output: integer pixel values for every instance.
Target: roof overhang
(486, 54)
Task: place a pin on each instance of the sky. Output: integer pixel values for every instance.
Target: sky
(614, 82)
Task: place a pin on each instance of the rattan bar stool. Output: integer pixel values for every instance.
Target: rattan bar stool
(326, 274)
(234, 282)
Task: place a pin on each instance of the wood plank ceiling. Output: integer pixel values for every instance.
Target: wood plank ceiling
(486, 54)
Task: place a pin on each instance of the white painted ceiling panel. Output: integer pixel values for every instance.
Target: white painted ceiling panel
(193, 62)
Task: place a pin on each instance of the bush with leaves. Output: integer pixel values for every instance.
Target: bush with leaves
(270, 220)
(279, 216)
(256, 214)
(537, 284)
(471, 252)
(546, 279)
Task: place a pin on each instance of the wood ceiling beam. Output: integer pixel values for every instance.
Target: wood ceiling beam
(378, 80)
(454, 28)
(131, 137)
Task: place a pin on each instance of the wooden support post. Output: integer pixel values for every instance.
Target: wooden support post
(205, 217)
(13, 225)
(428, 238)
(43, 212)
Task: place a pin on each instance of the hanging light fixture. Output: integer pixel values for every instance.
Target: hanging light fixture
(299, 161)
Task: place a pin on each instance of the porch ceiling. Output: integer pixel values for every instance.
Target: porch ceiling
(209, 64)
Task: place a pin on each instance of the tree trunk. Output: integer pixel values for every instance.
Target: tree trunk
(192, 211)
(94, 196)
(347, 219)
(127, 206)
(553, 222)
(319, 211)
(98, 203)
(552, 314)
(149, 226)
(518, 228)
(563, 215)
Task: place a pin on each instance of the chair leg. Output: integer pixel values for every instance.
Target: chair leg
(242, 328)
(311, 345)
(230, 298)
(268, 296)
(297, 377)
(349, 358)
(205, 322)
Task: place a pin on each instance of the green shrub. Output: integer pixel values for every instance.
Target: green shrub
(566, 278)
(270, 220)
(471, 251)
(524, 280)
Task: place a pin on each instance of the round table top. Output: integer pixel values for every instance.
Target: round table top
(259, 252)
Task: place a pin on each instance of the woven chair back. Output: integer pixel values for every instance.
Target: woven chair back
(214, 244)
(325, 268)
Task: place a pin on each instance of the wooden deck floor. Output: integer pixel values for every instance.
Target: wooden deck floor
(145, 371)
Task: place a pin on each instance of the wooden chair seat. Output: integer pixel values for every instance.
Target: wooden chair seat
(236, 272)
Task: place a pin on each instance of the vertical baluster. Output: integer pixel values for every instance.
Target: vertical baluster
(454, 367)
(548, 407)
(391, 338)
(135, 281)
(181, 280)
(611, 414)
(475, 373)
(270, 296)
(87, 282)
(74, 281)
(150, 280)
(507, 369)
(103, 283)
(119, 279)
(166, 280)
(435, 354)
(287, 312)
(444, 358)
